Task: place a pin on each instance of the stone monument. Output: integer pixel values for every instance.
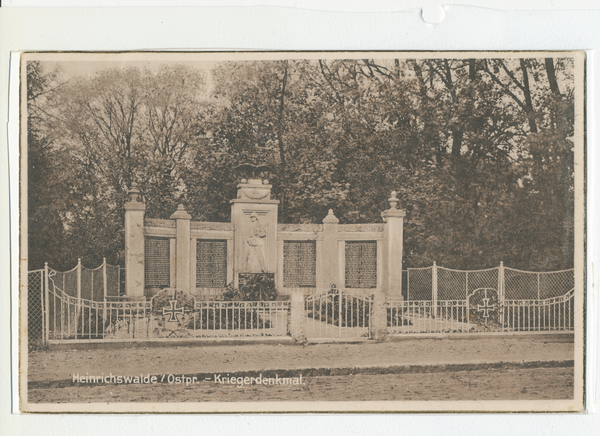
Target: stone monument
(202, 258)
(254, 217)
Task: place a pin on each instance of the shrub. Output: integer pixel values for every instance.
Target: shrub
(260, 287)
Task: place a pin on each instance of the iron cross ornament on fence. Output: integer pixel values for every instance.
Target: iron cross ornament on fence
(173, 311)
(486, 308)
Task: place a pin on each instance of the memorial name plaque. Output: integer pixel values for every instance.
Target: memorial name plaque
(211, 263)
(157, 262)
(361, 264)
(299, 264)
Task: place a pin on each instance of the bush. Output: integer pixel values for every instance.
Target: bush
(260, 287)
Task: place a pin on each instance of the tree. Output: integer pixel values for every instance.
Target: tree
(267, 112)
(467, 139)
(547, 197)
(479, 150)
(45, 184)
(113, 129)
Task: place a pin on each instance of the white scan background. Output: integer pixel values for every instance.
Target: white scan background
(286, 29)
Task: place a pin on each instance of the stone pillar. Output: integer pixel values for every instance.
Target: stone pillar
(392, 248)
(297, 317)
(378, 317)
(134, 244)
(329, 259)
(254, 217)
(182, 249)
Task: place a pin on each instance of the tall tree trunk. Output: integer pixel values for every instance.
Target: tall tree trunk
(457, 139)
(283, 168)
(472, 69)
(429, 130)
(457, 133)
(551, 72)
(528, 103)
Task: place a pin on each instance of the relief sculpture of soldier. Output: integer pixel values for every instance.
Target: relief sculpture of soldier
(255, 259)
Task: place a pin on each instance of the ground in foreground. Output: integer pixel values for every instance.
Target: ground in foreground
(479, 385)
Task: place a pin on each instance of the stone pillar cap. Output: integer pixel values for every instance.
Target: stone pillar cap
(330, 218)
(393, 200)
(393, 211)
(181, 214)
(135, 202)
(258, 181)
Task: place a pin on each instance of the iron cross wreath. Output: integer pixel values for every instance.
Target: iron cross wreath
(173, 311)
(485, 308)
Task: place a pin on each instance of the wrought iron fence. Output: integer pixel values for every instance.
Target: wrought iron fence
(496, 299)
(426, 316)
(77, 318)
(438, 283)
(240, 318)
(549, 314)
(482, 311)
(457, 285)
(94, 284)
(341, 313)
(36, 328)
(528, 285)
(169, 314)
(419, 284)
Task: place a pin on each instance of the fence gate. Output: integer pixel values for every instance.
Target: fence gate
(338, 314)
(59, 302)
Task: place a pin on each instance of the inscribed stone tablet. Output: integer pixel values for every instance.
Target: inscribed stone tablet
(157, 262)
(211, 263)
(361, 264)
(299, 264)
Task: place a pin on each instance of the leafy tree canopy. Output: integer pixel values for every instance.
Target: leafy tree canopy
(479, 150)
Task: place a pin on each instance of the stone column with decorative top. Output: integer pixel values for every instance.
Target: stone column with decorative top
(392, 248)
(134, 243)
(182, 249)
(254, 216)
(329, 264)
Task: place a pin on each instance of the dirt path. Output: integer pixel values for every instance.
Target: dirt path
(513, 384)
(59, 365)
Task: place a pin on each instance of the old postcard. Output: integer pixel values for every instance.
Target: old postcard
(302, 231)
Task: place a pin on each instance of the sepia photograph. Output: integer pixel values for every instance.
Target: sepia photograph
(302, 231)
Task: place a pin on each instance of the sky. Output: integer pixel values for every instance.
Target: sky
(71, 69)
